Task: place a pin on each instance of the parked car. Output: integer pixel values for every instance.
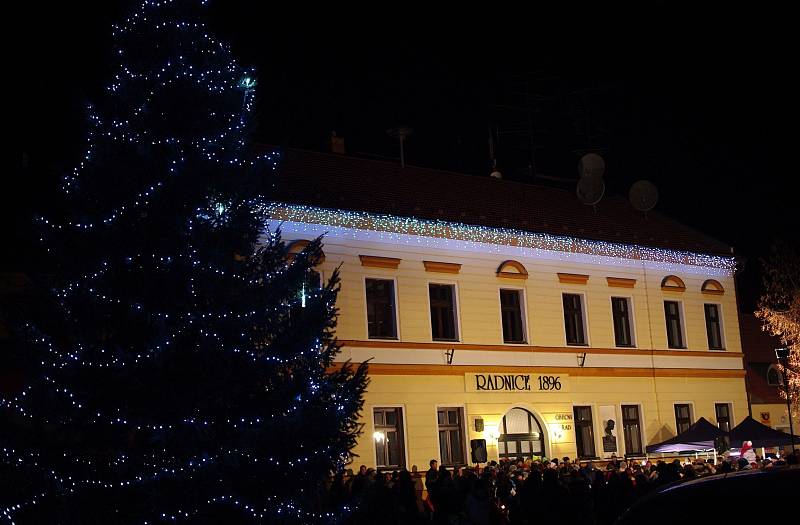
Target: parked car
(737, 497)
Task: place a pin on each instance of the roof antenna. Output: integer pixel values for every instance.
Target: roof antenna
(495, 174)
(400, 133)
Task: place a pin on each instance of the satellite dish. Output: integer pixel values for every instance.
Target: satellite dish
(591, 165)
(643, 195)
(590, 190)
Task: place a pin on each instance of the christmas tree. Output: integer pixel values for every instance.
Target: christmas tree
(186, 371)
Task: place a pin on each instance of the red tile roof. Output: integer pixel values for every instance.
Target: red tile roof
(335, 181)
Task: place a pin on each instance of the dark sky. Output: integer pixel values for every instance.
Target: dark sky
(698, 100)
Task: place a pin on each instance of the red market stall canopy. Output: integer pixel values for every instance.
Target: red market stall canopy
(760, 435)
(699, 436)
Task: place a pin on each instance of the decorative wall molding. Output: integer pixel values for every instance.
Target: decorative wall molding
(572, 278)
(441, 267)
(373, 261)
(418, 370)
(355, 343)
(621, 282)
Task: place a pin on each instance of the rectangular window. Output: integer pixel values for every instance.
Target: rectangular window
(584, 432)
(621, 312)
(513, 318)
(573, 319)
(381, 309)
(631, 427)
(451, 436)
(713, 327)
(683, 417)
(444, 324)
(672, 313)
(723, 411)
(388, 436)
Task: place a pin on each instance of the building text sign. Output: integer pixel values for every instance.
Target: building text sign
(520, 383)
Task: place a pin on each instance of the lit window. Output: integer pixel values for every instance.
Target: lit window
(388, 436)
(451, 436)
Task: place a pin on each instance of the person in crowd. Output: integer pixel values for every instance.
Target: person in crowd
(419, 488)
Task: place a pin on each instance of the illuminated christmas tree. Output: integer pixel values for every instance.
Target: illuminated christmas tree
(185, 372)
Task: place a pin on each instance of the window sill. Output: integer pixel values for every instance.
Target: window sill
(383, 338)
(446, 340)
(578, 344)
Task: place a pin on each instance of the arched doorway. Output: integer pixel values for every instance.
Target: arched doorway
(521, 435)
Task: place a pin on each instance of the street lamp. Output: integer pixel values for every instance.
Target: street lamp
(783, 358)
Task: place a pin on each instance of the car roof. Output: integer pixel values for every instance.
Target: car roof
(724, 497)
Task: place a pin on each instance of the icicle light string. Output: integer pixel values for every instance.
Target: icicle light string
(434, 232)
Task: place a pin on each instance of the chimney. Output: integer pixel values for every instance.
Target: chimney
(335, 144)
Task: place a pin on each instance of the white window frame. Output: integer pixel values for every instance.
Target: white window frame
(692, 413)
(722, 337)
(584, 315)
(465, 430)
(456, 304)
(682, 316)
(405, 430)
(366, 309)
(523, 314)
(642, 430)
(631, 320)
(598, 441)
(730, 412)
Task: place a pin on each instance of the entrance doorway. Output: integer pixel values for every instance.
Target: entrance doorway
(521, 435)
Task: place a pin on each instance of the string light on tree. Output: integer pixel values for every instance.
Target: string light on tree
(186, 345)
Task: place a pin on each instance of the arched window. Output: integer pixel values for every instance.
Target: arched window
(774, 376)
(512, 270)
(521, 435)
(298, 246)
(673, 283)
(712, 287)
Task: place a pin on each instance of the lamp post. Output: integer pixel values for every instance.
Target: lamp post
(783, 358)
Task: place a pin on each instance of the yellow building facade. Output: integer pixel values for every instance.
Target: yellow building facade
(531, 342)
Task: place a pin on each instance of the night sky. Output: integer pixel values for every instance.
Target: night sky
(698, 101)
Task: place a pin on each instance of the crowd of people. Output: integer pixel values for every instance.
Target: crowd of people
(518, 492)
